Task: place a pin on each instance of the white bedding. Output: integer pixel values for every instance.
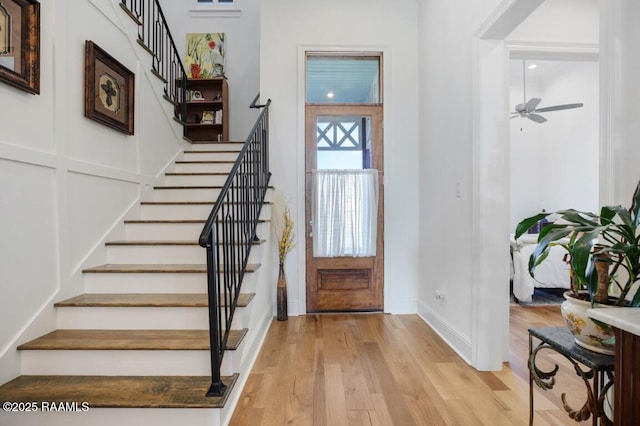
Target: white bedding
(552, 273)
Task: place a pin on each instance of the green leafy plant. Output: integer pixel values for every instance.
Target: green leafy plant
(611, 237)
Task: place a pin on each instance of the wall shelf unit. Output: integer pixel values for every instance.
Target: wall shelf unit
(207, 110)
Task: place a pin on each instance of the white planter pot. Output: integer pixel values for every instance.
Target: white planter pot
(588, 333)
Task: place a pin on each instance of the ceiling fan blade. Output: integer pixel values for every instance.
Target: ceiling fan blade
(520, 107)
(537, 118)
(532, 104)
(559, 107)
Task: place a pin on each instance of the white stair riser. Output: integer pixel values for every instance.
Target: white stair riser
(163, 231)
(145, 282)
(202, 167)
(188, 194)
(148, 254)
(124, 318)
(176, 211)
(195, 180)
(209, 156)
(156, 282)
(140, 318)
(117, 416)
(217, 146)
(122, 362)
(174, 231)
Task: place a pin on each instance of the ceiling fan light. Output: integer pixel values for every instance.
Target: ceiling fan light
(532, 66)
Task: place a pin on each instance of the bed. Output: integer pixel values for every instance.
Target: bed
(552, 273)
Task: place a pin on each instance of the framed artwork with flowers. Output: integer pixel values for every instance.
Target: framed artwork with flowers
(20, 44)
(205, 55)
(109, 90)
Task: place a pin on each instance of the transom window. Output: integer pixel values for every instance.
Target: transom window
(342, 79)
(207, 8)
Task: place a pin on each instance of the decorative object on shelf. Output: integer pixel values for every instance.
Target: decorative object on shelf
(195, 95)
(109, 90)
(603, 254)
(192, 118)
(285, 245)
(205, 55)
(207, 117)
(20, 44)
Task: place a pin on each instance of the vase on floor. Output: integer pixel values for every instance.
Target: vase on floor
(281, 295)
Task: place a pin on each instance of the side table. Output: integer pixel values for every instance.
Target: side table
(590, 366)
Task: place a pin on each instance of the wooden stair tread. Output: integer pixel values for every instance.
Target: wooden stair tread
(156, 268)
(177, 203)
(167, 221)
(213, 151)
(163, 243)
(188, 187)
(118, 391)
(196, 300)
(152, 243)
(204, 161)
(170, 221)
(197, 174)
(129, 340)
(212, 142)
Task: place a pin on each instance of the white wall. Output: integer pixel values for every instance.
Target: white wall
(622, 67)
(66, 181)
(288, 28)
(242, 62)
(555, 165)
(561, 21)
(464, 206)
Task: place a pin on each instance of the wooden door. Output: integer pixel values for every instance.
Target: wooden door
(344, 283)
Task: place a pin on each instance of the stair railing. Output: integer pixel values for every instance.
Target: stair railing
(229, 234)
(155, 37)
(230, 230)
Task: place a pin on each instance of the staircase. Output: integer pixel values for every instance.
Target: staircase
(135, 347)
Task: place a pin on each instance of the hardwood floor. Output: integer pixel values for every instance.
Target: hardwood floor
(361, 369)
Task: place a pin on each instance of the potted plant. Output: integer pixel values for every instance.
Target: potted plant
(604, 258)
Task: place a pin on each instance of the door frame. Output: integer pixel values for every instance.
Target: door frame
(490, 187)
(300, 305)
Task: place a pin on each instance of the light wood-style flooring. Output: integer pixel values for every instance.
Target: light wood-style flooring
(377, 369)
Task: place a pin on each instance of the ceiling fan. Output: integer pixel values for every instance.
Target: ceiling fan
(527, 109)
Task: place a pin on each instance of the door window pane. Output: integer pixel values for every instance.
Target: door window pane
(343, 142)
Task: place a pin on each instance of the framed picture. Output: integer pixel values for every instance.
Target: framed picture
(108, 89)
(205, 55)
(20, 44)
(207, 117)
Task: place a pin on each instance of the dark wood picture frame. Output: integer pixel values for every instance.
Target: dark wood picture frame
(109, 90)
(20, 44)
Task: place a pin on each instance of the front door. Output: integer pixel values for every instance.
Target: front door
(347, 137)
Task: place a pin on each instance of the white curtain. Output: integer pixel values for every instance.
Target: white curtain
(345, 213)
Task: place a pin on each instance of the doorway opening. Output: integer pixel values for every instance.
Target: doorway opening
(344, 192)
